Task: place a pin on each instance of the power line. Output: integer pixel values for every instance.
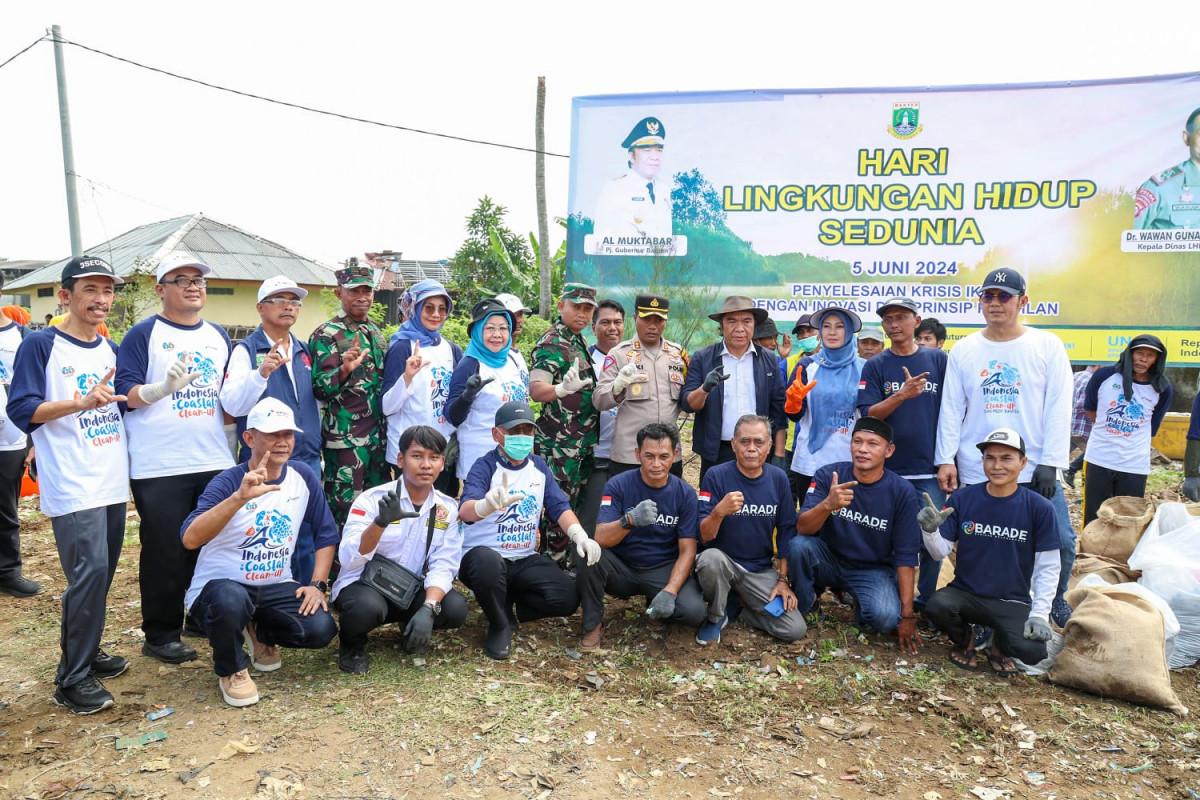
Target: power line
(302, 107)
(22, 52)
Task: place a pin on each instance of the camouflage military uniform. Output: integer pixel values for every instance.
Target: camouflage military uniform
(568, 429)
(352, 422)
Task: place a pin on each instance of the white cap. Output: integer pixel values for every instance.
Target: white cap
(271, 416)
(280, 283)
(1005, 436)
(513, 304)
(177, 260)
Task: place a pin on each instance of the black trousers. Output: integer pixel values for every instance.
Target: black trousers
(534, 584)
(1101, 483)
(12, 468)
(165, 567)
(724, 454)
(362, 609)
(954, 611)
(611, 575)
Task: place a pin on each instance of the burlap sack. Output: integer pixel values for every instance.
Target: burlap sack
(1109, 571)
(1118, 526)
(1115, 647)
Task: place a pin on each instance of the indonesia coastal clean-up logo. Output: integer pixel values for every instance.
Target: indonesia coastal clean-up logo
(1001, 387)
(266, 548)
(99, 426)
(905, 120)
(5, 375)
(1124, 417)
(439, 390)
(199, 398)
(517, 525)
(516, 390)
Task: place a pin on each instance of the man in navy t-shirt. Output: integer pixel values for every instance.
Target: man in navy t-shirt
(903, 385)
(743, 503)
(858, 531)
(1008, 544)
(647, 527)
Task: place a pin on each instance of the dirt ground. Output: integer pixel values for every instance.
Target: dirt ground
(838, 714)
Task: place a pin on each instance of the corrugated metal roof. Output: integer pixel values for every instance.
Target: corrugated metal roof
(413, 271)
(233, 254)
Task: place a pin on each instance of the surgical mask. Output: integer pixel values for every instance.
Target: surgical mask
(518, 447)
(806, 344)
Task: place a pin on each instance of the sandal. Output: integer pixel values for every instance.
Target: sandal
(964, 659)
(1002, 665)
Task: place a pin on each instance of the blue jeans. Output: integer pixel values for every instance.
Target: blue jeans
(929, 567)
(811, 563)
(225, 606)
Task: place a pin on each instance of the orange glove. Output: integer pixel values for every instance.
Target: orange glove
(796, 394)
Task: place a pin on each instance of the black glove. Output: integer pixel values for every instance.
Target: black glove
(1044, 480)
(713, 378)
(781, 462)
(418, 630)
(475, 384)
(390, 510)
(1191, 471)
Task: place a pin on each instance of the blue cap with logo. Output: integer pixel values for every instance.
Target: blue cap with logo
(1006, 280)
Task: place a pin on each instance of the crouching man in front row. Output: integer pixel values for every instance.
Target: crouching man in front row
(246, 526)
(1008, 543)
(415, 527)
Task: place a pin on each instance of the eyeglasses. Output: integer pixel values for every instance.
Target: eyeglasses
(284, 301)
(495, 329)
(1003, 297)
(182, 282)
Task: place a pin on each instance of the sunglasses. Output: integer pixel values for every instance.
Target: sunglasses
(1003, 297)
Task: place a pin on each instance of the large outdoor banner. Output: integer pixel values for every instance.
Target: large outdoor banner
(805, 199)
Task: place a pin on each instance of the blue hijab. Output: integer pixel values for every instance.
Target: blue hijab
(479, 350)
(410, 308)
(836, 393)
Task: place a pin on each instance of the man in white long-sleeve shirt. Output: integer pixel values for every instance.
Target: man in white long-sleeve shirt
(1007, 549)
(1010, 375)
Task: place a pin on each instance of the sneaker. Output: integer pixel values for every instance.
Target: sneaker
(238, 689)
(1060, 612)
(590, 640)
(263, 657)
(106, 666)
(86, 697)
(354, 660)
(1069, 478)
(20, 586)
(982, 636)
(711, 631)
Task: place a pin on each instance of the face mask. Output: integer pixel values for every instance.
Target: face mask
(518, 447)
(806, 344)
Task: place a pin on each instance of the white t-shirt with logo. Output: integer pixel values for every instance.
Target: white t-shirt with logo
(510, 382)
(184, 432)
(82, 458)
(10, 341)
(512, 531)
(424, 401)
(1024, 384)
(1120, 437)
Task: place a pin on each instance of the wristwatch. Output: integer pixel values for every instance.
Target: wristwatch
(434, 606)
(627, 520)
(322, 585)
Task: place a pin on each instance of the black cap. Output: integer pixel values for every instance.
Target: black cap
(89, 266)
(646, 305)
(484, 309)
(874, 425)
(1005, 436)
(1004, 279)
(514, 413)
(805, 321)
(906, 303)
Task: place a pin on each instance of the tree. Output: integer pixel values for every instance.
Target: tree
(492, 259)
(696, 202)
(539, 137)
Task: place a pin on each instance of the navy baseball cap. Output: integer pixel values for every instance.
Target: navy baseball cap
(514, 413)
(89, 267)
(1004, 279)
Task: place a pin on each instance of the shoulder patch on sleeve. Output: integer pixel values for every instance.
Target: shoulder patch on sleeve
(1166, 175)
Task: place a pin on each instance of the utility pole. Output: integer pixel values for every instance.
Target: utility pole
(64, 121)
(539, 138)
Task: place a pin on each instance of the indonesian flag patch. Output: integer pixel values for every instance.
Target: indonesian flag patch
(862, 385)
(706, 497)
(358, 512)
(606, 500)
(812, 486)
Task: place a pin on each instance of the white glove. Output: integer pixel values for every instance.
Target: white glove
(496, 498)
(587, 548)
(571, 382)
(625, 376)
(177, 378)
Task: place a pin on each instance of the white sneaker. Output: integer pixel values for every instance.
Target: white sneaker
(263, 657)
(238, 689)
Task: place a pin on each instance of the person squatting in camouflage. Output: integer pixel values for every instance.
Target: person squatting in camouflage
(561, 378)
(347, 375)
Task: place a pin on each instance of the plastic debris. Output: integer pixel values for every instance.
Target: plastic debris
(127, 742)
(153, 715)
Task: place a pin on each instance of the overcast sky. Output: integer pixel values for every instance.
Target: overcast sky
(155, 147)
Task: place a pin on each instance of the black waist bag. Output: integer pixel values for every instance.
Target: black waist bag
(398, 584)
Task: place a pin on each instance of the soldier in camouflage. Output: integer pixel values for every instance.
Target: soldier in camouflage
(347, 375)
(561, 379)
